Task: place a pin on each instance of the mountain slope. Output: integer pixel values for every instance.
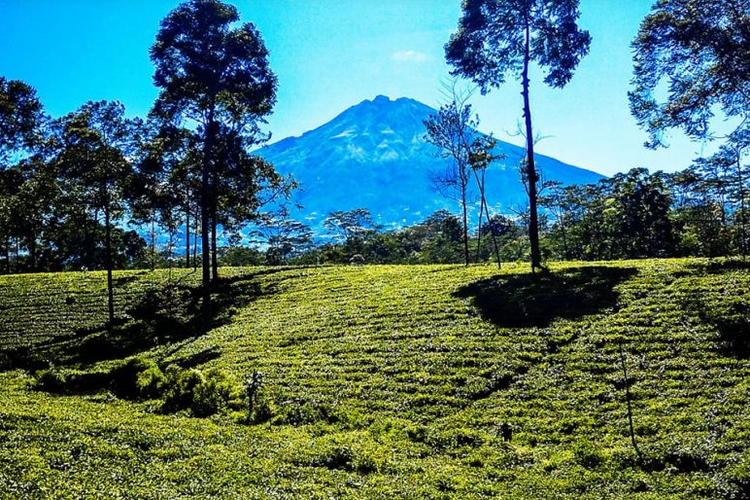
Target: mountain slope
(374, 155)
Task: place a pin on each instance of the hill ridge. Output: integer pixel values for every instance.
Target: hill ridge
(373, 155)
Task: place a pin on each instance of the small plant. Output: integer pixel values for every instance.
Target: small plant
(214, 393)
(151, 382)
(181, 384)
(137, 378)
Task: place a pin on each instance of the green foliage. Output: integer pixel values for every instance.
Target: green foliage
(150, 382)
(181, 386)
(699, 55)
(202, 393)
(392, 381)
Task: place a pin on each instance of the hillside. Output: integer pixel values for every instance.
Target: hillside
(386, 382)
(374, 155)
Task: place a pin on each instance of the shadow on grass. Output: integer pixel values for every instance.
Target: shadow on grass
(731, 319)
(526, 300)
(168, 314)
(719, 266)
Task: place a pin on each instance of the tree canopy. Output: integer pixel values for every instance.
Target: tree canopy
(692, 59)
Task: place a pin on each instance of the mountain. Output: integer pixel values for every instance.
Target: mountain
(374, 155)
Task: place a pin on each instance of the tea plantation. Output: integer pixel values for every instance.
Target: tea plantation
(382, 382)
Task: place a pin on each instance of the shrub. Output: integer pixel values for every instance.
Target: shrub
(203, 394)
(214, 393)
(151, 382)
(126, 379)
(180, 388)
(51, 380)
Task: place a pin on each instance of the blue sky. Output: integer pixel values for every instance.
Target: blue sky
(331, 54)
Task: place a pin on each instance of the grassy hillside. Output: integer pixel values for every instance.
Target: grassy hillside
(383, 382)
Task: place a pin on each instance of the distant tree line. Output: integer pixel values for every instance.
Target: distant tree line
(702, 211)
(96, 189)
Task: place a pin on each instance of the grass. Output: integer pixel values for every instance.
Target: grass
(387, 382)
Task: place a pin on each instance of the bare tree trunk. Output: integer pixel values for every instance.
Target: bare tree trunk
(195, 244)
(743, 233)
(205, 214)
(483, 206)
(466, 223)
(479, 227)
(536, 256)
(153, 242)
(108, 260)
(214, 259)
(187, 234)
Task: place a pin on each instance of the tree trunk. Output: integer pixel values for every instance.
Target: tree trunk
(7, 254)
(153, 242)
(187, 234)
(466, 223)
(743, 234)
(208, 144)
(479, 223)
(108, 260)
(195, 243)
(483, 206)
(32, 252)
(536, 256)
(214, 259)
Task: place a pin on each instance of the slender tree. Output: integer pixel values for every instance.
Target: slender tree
(212, 74)
(96, 146)
(480, 158)
(452, 130)
(500, 37)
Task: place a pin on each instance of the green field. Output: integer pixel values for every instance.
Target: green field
(381, 382)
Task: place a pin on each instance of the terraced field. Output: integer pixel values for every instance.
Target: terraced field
(381, 382)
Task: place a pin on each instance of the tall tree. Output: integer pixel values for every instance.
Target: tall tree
(211, 73)
(496, 38)
(96, 147)
(22, 122)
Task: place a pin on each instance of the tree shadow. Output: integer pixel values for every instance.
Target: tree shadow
(168, 314)
(719, 266)
(527, 300)
(730, 317)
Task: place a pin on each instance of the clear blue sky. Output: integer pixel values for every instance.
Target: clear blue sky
(331, 54)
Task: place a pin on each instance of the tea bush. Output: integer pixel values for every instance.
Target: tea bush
(384, 382)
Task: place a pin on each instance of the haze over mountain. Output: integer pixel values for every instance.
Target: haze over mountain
(374, 156)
